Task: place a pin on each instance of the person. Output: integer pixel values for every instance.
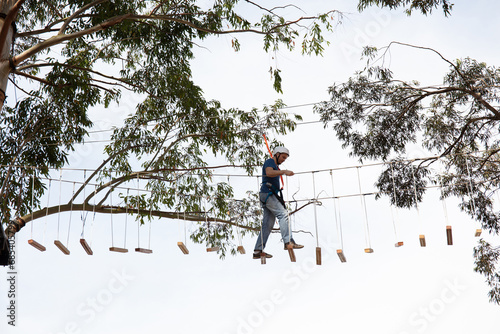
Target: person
(272, 203)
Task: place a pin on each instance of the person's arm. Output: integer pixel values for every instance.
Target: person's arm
(273, 172)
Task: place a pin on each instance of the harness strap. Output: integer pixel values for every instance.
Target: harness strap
(274, 191)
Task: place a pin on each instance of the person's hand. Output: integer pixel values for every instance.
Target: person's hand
(288, 172)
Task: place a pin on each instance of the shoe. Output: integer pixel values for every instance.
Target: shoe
(259, 254)
(294, 245)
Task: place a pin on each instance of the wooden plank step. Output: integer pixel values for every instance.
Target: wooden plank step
(183, 247)
(449, 237)
(318, 256)
(61, 247)
(341, 255)
(421, 238)
(86, 247)
(118, 249)
(38, 246)
(143, 250)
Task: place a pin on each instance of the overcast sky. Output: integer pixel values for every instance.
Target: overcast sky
(405, 290)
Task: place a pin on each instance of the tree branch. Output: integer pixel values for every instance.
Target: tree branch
(78, 12)
(462, 133)
(7, 23)
(98, 169)
(122, 210)
(54, 40)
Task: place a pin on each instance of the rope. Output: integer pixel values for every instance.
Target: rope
(46, 213)
(138, 219)
(238, 231)
(243, 166)
(18, 211)
(315, 214)
(416, 198)
(363, 205)
(185, 230)
(178, 218)
(83, 215)
(338, 222)
(271, 154)
(262, 224)
(470, 185)
(126, 220)
(93, 218)
(150, 222)
(32, 201)
(206, 221)
(443, 201)
(396, 201)
(59, 211)
(69, 228)
(288, 215)
(71, 206)
(111, 216)
(307, 200)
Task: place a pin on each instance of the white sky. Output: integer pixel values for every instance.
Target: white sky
(405, 290)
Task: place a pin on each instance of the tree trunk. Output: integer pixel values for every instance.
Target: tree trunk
(8, 31)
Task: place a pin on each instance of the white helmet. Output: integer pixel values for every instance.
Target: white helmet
(280, 149)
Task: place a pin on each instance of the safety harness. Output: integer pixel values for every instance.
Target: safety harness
(275, 192)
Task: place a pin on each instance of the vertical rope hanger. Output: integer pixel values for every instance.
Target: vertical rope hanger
(338, 223)
(93, 215)
(57, 242)
(395, 221)
(150, 223)
(262, 256)
(240, 248)
(469, 190)
(139, 249)
(318, 249)
(214, 248)
(47, 211)
(31, 241)
(113, 248)
(138, 220)
(126, 223)
(368, 248)
(59, 209)
(32, 201)
(180, 244)
(20, 195)
(111, 216)
(449, 238)
(71, 205)
(291, 253)
(83, 241)
(126, 219)
(421, 237)
(83, 214)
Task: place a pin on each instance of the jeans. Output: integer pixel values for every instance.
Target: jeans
(272, 209)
